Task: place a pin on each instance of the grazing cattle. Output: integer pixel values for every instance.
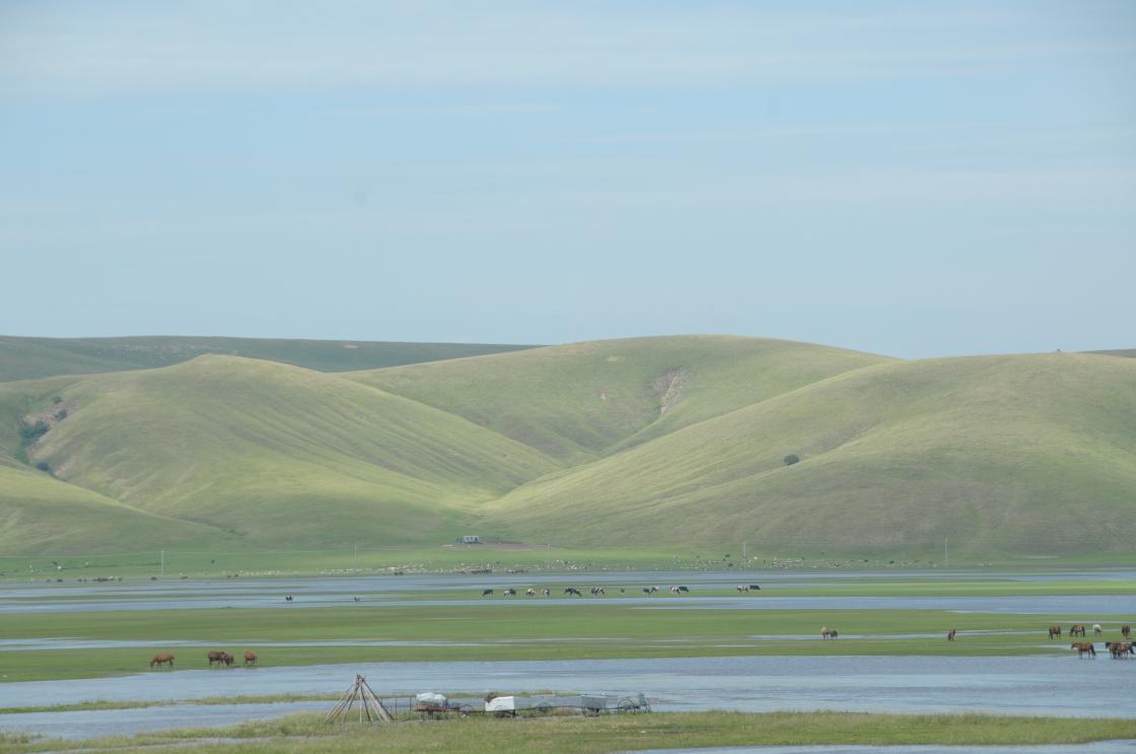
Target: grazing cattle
(287, 598)
(1084, 648)
(682, 589)
(1077, 629)
(486, 592)
(573, 591)
(828, 633)
(530, 592)
(754, 587)
(217, 656)
(356, 599)
(1097, 630)
(951, 634)
(1055, 631)
(1126, 631)
(743, 587)
(162, 658)
(647, 591)
(250, 657)
(510, 592)
(546, 592)
(597, 591)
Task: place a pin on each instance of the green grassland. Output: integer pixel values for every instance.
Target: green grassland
(275, 454)
(653, 444)
(582, 401)
(518, 632)
(580, 735)
(32, 358)
(998, 454)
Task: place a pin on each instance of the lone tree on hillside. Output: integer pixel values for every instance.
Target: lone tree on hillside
(791, 459)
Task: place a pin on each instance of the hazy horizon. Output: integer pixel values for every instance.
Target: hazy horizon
(911, 180)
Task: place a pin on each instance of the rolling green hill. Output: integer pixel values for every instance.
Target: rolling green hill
(1001, 454)
(31, 358)
(273, 454)
(652, 442)
(581, 401)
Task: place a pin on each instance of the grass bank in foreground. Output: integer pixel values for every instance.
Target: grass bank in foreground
(577, 735)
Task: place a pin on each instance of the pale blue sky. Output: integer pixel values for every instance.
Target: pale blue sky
(913, 179)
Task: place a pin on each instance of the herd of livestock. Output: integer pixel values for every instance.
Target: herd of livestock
(217, 657)
(1120, 650)
(599, 591)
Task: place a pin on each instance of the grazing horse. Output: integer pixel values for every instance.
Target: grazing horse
(951, 634)
(1120, 649)
(217, 656)
(1126, 631)
(1077, 629)
(250, 657)
(1055, 631)
(1084, 648)
(1097, 630)
(162, 658)
(486, 592)
(828, 633)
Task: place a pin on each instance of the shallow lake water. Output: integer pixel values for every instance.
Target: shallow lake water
(372, 591)
(1041, 685)
(1063, 686)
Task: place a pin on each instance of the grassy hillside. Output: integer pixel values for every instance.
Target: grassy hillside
(580, 401)
(649, 443)
(41, 514)
(31, 358)
(275, 454)
(1002, 454)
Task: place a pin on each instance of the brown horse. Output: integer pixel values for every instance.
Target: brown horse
(1119, 649)
(951, 634)
(1084, 648)
(218, 656)
(1055, 631)
(250, 657)
(1077, 629)
(162, 658)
